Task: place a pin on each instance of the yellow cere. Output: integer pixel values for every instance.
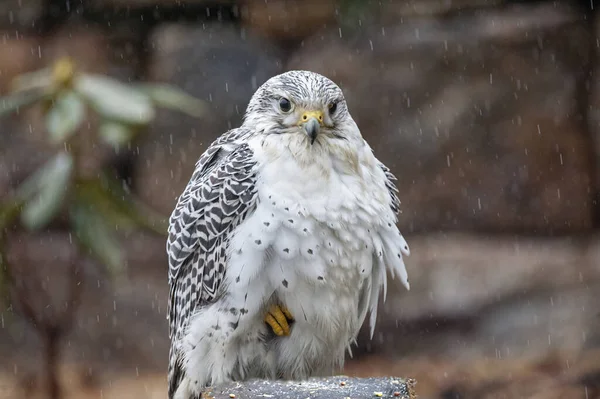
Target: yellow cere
(318, 115)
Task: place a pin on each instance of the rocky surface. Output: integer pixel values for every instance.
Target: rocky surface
(319, 388)
(555, 375)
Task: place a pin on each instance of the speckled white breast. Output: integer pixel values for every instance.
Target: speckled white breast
(316, 223)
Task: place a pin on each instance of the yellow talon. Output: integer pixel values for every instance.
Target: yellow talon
(207, 394)
(287, 314)
(278, 318)
(274, 325)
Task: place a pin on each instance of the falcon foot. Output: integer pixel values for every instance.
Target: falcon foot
(207, 395)
(279, 319)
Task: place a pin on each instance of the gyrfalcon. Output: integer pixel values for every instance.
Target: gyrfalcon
(281, 242)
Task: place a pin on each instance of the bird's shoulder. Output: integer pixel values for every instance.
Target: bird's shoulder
(219, 149)
(223, 181)
(390, 184)
(220, 194)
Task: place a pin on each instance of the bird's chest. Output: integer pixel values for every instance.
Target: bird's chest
(318, 254)
(312, 231)
(317, 270)
(317, 260)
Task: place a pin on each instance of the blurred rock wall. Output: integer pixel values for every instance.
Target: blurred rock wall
(485, 110)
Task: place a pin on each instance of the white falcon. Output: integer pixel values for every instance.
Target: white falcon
(279, 245)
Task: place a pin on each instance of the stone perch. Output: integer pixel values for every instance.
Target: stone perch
(338, 387)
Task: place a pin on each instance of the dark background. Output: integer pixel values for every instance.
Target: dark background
(486, 111)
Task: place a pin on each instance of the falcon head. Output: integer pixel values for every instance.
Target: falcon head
(301, 103)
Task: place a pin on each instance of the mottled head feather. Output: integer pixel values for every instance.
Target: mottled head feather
(305, 89)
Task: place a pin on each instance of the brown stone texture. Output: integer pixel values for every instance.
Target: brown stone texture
(282, 20)
(478, 115)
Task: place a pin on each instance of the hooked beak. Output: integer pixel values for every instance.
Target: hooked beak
(312, 129)
(312, 121)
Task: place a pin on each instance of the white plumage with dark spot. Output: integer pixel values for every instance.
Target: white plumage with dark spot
(280, 244)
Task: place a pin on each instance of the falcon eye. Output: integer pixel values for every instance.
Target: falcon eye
(285, 105)
(332, 108)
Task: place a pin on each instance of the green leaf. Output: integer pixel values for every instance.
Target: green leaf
(40, 79)
(115, 134)
(45, 191)
(173, 98)
(33, 183)
(15, 101)
(95, 235)
(114, 100)
(65, 116)
(9, 211)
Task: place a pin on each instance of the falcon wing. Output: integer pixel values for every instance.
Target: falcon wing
(392, 189)
(386, 258)
(219, 196)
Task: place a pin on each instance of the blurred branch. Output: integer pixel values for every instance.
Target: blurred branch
(5, 273)
(50, 323)
(167, 97)
(8, 213)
